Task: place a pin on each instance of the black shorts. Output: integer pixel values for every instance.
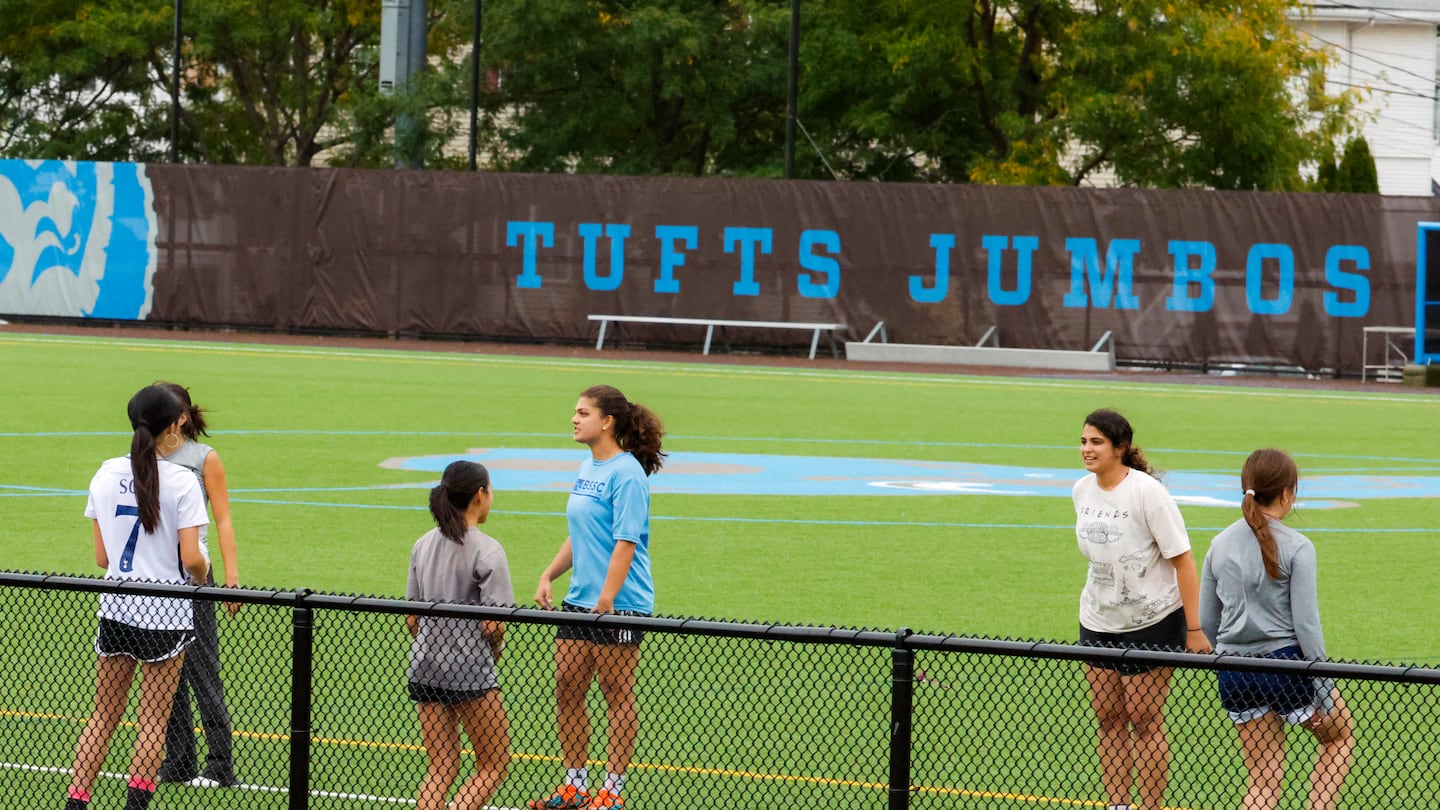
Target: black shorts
(118, 638)
(425, 693)
(599, 635)
(1168, 635)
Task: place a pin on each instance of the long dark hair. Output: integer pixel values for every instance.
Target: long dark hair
(452, 496)
(151, 411)
(638, 429)
(1265, 478)
(194, 426)
(1116, 428)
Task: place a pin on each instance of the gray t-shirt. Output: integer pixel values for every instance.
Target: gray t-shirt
(1244, 611)
(191, 455)
(454, 653)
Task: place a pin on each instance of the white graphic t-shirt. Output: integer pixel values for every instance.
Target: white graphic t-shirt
(1128, 534)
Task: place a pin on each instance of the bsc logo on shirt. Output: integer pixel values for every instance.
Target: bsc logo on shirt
(584, 486)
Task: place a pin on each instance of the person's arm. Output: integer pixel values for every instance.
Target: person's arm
(1210, 606)
(102, 557)
(190, 555)
(1189, 582)
(620, 560)
(1305, 603)
(219, 491)
(412, 623)
(495, 634)
(564, 558)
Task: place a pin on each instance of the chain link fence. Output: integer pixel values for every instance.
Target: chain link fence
(730, 715)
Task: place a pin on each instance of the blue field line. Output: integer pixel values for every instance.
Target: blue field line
(562, 437)
(818, 522)
(1109, 386)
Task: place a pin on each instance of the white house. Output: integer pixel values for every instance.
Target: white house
(1388, 47)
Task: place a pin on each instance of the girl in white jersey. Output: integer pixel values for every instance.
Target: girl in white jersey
(1258, 597)
(1141, 591)
(608, 515)
(146, 514)
(201, 672)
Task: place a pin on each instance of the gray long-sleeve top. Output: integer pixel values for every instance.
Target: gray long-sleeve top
(1244, 611)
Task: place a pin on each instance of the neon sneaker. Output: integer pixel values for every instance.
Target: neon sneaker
(566, 797)
(605, 800)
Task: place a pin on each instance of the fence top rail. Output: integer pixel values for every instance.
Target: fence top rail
(901, 640)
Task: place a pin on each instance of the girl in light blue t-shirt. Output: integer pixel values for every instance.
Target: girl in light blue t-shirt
(608, 555)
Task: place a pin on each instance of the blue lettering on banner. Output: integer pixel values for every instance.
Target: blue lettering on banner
(1025, 247)
(943, 243)
(670, 258)
(829, 268)
(1255, 279)
(1353, 282)
(1116, 281)
(530, 232)
(1111, 285)
(1187, 274)
(590, 234)
(746, 239)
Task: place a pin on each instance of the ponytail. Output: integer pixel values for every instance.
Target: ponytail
(194, 426)
(152, 411)
(638, 430)
(1267, 475)
(452, 496)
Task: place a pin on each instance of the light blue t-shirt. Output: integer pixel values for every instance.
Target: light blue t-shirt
(610, 501)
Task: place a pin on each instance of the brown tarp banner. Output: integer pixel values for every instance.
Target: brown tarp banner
(1179, 277)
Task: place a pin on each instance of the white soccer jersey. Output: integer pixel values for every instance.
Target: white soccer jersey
(140, 555)
(1129, 535)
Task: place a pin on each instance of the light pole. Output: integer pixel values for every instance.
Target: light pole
(792, 89)
(475, 84)
(175, 86)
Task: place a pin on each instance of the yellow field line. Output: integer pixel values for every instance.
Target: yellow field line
(659, 767)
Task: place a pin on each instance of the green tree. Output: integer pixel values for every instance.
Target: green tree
(1356, 173)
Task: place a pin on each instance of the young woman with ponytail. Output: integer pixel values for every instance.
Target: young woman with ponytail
(452, 669)
(1141, 591)
(1258, 597)
(608, 554)
(146, 514)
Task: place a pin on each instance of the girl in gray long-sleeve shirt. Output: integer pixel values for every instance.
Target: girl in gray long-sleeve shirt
(1258, 597)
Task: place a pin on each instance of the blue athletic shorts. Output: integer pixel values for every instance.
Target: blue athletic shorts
(1247, 696)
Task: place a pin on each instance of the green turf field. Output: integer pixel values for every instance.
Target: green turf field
(303, 432)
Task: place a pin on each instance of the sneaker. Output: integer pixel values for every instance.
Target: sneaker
(567, 797)
(203, 781)
(605, 800)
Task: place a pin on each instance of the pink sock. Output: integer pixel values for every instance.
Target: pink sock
(147, 785)
(77, 793)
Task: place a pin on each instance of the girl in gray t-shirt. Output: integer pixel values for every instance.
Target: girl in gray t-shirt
(451, 673)
(1258, 597)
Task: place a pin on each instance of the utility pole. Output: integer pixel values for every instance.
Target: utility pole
(402, 59)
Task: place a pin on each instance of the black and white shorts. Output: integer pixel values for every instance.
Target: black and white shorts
(600, 635)
(142, 644)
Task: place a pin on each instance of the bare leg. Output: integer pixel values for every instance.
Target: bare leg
(1117, 757)
(440, 733)
(574, 669)
(1263, 742)
(489, 731)
(622, 721)
(113, 675)
(1145, 696)
(1335, 732)
(157, 697)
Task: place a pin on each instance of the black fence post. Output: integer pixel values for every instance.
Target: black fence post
(902, 694)
(302, 623)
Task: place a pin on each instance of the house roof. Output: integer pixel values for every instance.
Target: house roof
(1376, 11)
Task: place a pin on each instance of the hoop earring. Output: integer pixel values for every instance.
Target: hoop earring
(173, 444)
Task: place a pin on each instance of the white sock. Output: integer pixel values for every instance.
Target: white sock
(1118, 807)
(613, 782)
(578, 778)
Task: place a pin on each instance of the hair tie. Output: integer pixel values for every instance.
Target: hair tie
(1250, 492)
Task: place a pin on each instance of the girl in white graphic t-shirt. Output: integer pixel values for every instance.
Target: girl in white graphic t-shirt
(1142, 590)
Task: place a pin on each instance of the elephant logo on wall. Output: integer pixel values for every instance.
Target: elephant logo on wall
(77, 239)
